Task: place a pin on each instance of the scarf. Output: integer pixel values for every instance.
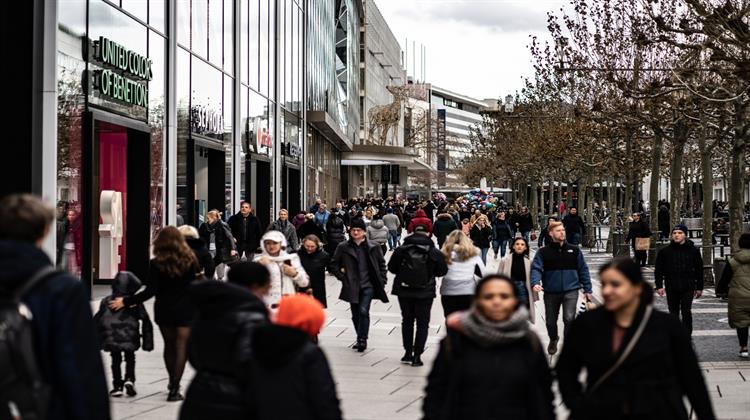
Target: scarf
(488, 333)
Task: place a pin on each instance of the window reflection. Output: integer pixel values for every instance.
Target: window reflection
(216, 32)
(156, 116)
(199, 28)
(183, 22)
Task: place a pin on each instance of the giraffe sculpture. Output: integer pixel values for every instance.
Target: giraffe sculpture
(385, 118)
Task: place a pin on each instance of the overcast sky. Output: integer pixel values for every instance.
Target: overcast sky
(474, 47)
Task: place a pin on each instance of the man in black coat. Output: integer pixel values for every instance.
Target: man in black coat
(360, 266)
(416, 264)
(663, 220)
(575, 228)
(679, 268)
(524, 224)
(638, 229)
(65, 345)
(246, 230)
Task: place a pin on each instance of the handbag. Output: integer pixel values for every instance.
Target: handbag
(642, 244)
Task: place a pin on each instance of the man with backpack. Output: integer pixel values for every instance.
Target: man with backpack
(50, 363)
(416, 264)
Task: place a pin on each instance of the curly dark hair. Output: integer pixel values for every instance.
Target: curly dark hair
(173, 253)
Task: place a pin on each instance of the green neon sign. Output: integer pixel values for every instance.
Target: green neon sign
(126, 74)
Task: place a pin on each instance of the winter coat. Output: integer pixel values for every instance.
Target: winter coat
(466, 228)
(443, 227)
(290, 233)
(321, 218)
(639, 229)
(253, 233)
(506, 263)
(459, 280)
(310, 228)
(392, 221)
(679, 267)
(298, 220)
(335, 233)
(436, 267)
(736, 279)
(574, 224)
(663, 221)
(544, 238)
(291, 377)
(501, 230)
(346, 269)
(223, 239)
(651, 382)
(281, 284)
(65, 342)
(420, 218)
(560, 268)
(524, 222)
(377, 232)
(123, 330)
(315, 266)
(172, 306)
(219, 350)
(201, 252)
(482, 237)
(504, 381)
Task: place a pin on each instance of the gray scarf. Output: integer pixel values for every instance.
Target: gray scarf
(488, 333)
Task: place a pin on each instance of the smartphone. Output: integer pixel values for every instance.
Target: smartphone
(288, 262)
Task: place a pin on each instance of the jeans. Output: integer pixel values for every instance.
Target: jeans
(526, 235)
(500, 245)
(117, 380)
(484, 252)
(641, 257)
(742, 334)
(455, 303)
(361, 313)
(680, 303)
(575, 239)
(393, 238)
(414, 309)
(552, 303)
(522, 292)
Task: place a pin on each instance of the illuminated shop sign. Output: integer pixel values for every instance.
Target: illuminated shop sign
(206, 121)
(125, 75)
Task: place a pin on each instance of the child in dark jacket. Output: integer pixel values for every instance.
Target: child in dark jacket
(120, 332)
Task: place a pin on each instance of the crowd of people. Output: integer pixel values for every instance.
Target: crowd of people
(244, 305)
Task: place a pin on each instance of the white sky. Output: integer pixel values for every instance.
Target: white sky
(474, 47)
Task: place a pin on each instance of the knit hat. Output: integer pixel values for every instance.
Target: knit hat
(389, 210)
(302, 312)
(357, 224)
(681, 227)
(274, 236)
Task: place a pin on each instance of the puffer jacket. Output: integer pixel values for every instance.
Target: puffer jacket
(223, 239)
(679, 267)
(437, 267)
(123, 330)
(735, 280)
(560, 268)
(420, 218)
(443, 227)
(281, 284)
(377, 232)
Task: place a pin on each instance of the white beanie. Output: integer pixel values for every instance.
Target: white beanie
(275, 236)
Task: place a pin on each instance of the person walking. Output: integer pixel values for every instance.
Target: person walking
(321, 217)
(679, 269)
(544, 236)
(639, 363)
(121, 332)
(393, 224)
(310, 228)
(464, 263)
(481, 235)
(420, 219)
(315, 261)
(501, 235)
(638, 229)
(226, 316)
(490, 364)
(443, 227)
(377, 232)
(50, 297)
(172, 270)
(575, 228)
(287, 273)
(290, 374)
(220, 241)
(194, 241)
(416, 264)
(663, 221)
(335, 232)
(360, 266)
(524, 223)
(560, 271)
(283, 225)
(246, 229)
(517, 266)
(735, 283)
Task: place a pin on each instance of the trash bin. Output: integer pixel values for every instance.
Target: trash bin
(719, 265)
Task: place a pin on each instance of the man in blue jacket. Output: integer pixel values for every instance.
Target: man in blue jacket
(560, 271)
(65, 343)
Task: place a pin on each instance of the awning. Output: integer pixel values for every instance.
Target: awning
(368, 154)
(328, 127)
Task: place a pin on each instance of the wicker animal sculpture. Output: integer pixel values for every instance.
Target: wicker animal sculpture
(385, 118)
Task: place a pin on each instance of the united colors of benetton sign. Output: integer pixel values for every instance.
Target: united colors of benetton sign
(125, 75)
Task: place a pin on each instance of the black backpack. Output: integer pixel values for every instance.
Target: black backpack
(415, 271)
(23, 392)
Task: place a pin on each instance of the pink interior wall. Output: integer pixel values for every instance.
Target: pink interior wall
(113, 170)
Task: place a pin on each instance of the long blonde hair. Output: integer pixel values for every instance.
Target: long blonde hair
(458, 242)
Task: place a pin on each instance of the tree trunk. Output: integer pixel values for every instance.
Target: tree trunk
(653, 199)
(569, 198)
(534, 203)
(551, 194)
(678, 151)
(611, 192)
(736, 184)
(708, 210)
(628, 202)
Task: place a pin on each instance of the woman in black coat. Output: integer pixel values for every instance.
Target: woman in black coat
(315, 262)
(310, 228)
(205, 260)
(653, 378)
(481, 235)
(490, 365)
(335, 229)
(219, 240)
(227, 314)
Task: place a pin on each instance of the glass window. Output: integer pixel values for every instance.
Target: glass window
(228, 122)
(71, 16)
(184, 208)
(271, 50)
(199, 27)
(282, 52)
(183, 23)
(156, 12)
(138, 8)
(215, 32)
(265, 66)
(229, 36)
(260, 125)
(206, 99)
(156, 117)
(243, 40)
(254, 47)
(245, 148)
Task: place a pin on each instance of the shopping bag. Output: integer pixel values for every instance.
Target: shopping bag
(642, 244)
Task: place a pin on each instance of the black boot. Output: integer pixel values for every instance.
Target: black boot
(408, 357)
(174, 392)
(417, 361)
(361, 345)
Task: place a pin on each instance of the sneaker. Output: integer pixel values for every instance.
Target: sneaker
(130, 389)
(417, 360)
(744, 354)
(174, 395)
(408, 358)
(116, 392)
(552, 347)
(361, 345)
